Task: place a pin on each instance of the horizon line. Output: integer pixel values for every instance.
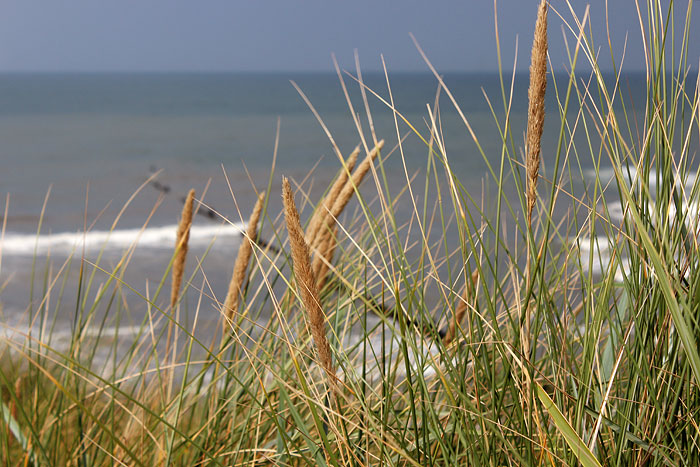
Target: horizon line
(271, 72)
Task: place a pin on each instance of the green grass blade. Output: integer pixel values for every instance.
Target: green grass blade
(664, 281)
(14, 428)
(581, 451)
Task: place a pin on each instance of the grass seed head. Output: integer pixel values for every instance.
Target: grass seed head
(535, 115)
(245, 251)
(306, 282)
(181, 240)
(321, 218)
(357, 177)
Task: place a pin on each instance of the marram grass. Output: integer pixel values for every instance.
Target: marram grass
(391, 332)
(536, 111)
(306, 282)
(320, 218)
(181, 245)
(245, 251)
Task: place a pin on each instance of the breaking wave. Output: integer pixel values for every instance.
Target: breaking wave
(151, 237)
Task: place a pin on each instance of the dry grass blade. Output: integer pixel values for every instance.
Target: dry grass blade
(181, 239)
(535, 114)
(306, 282)
(320, 217)
(461, 309)
(245, 250)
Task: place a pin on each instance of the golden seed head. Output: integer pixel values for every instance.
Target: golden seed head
(535, 117)
(181, 239)
(245, 251)
(306, 283)
(320, 218)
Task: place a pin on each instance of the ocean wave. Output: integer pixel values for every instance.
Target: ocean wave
(690, 211)
(606, 175)
(596, 255)
(151, 237)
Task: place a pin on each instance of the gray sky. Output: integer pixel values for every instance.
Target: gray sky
(289, 35)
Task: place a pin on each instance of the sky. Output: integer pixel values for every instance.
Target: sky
(298, 35)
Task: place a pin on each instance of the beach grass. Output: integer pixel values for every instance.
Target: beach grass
(526, 323)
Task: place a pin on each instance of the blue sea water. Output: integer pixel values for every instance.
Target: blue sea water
(86, 142)
(109, 130)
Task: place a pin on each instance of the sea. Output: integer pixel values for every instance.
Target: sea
(77, 151)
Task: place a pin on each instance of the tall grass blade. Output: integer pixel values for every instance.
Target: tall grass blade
(581, 451)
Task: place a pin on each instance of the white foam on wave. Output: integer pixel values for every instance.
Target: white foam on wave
(151, 237)
(607, 175)
(57, 342)
(690, 212)
(596, 256)
(19, 334)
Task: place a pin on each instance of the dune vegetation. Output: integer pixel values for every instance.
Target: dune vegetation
(536, 322)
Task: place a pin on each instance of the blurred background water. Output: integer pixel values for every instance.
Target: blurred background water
(93, 139)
